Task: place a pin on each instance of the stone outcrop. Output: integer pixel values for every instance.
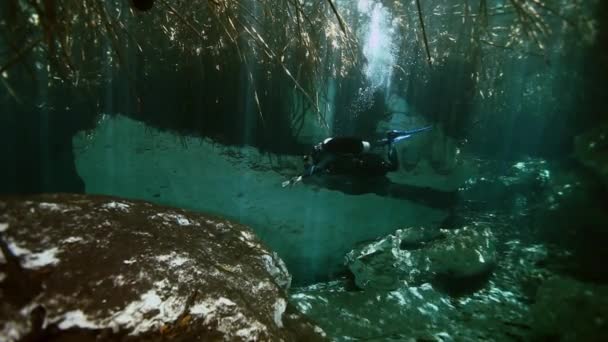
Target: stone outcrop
(419, 255)
(76, 267)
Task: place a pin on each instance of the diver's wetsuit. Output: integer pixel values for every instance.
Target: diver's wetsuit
(345, 145)
(349, 155)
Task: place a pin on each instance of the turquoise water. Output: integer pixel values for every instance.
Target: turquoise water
(310, 227)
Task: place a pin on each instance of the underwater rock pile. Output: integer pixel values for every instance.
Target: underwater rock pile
(88, 268)
(420, 255)
(396, 293)
(497, 309)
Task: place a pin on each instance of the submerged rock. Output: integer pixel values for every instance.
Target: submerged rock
(416, 313)
(569, 310)
(99, 268)
(400, 314)
(419, 255)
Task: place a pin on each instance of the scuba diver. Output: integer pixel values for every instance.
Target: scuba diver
(351, 156)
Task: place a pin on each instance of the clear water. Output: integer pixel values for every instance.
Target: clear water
(518, 145)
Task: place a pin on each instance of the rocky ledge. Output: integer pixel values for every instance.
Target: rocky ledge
(77, 267)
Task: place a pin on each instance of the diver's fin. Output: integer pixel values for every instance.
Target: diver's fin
(292, 181)
(401, 137)
(396, 133)
(395, 136)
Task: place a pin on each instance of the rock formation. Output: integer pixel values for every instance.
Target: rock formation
(76, 267)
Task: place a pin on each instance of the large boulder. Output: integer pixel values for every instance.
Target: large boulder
(418, 255)
(76, 267)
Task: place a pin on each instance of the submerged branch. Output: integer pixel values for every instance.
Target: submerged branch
(182, 18)
(10, 90)
(426, 42)
(17, 58)
(554, 12)
(533, 24)
(333, 8)
(255, 91)
(504, 47)
(301, 36)
(110, 30)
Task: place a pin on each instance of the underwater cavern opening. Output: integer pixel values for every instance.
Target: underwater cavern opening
(208, 107)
